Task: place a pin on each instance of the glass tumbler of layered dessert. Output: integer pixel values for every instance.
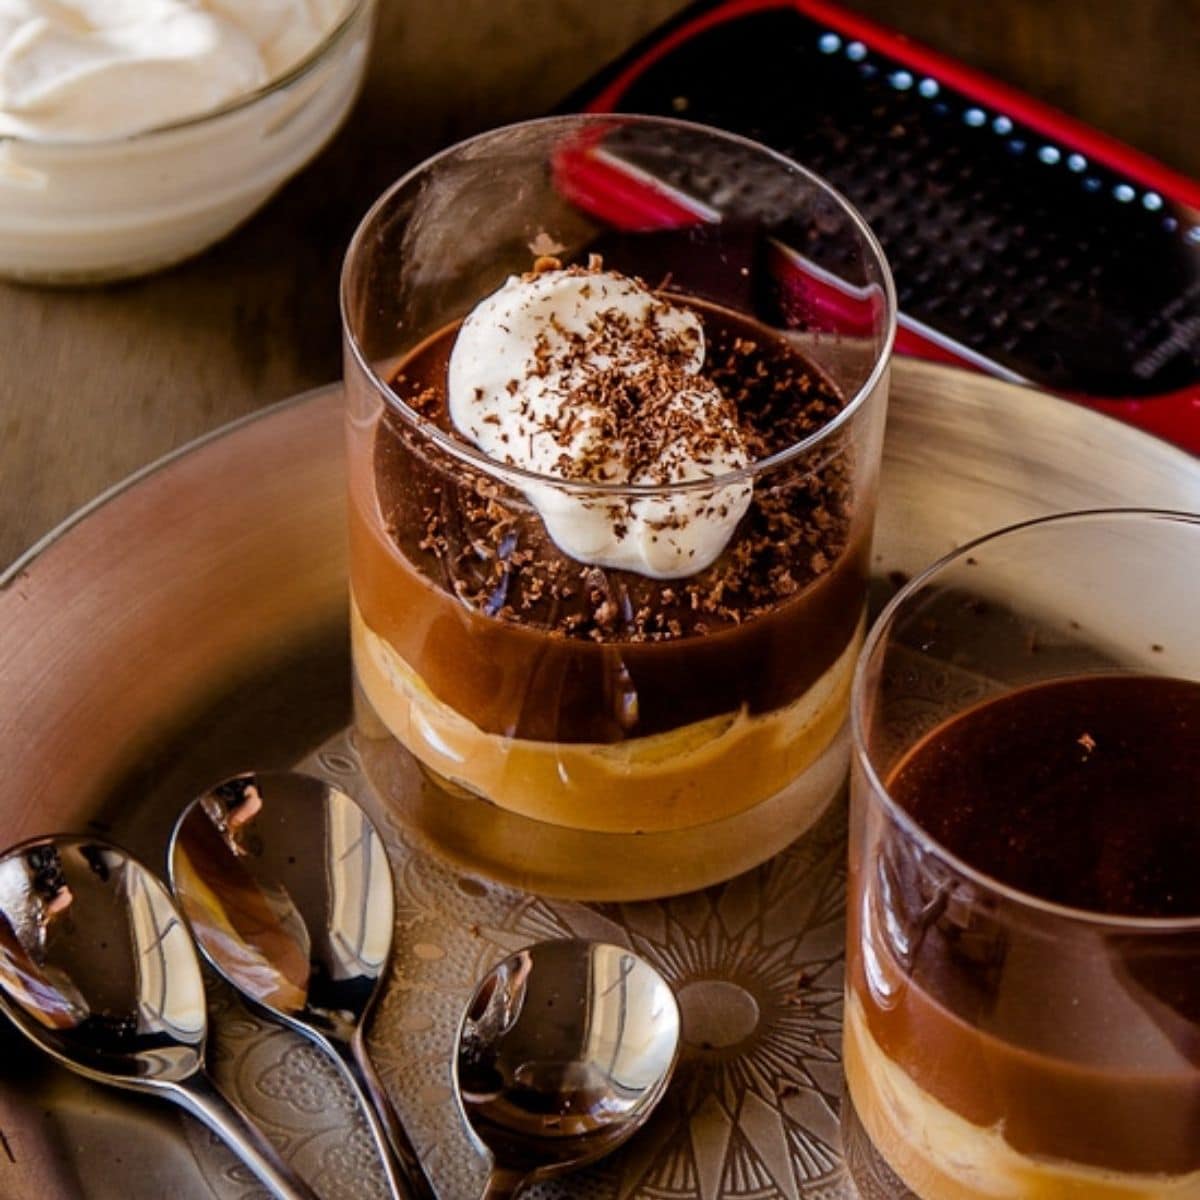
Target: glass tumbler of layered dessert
(615, 390)
(1023, 991)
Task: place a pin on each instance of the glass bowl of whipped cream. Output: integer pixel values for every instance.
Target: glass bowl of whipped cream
(134, 133)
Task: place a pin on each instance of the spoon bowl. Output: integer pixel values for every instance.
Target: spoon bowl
(564, 1051)
(286, 885)
(96, 968)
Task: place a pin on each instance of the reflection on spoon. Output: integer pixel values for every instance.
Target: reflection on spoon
(33, 891)
(287, 887)
(96, 968)
(565, 1049)
(249, 925)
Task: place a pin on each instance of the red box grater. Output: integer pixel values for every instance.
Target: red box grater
(1023, 243)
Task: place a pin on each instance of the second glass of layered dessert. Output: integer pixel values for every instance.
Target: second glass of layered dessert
(616, 391)
(1023, 984)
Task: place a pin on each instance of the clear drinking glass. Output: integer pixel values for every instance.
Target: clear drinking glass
(629, 736)
(998, 1044)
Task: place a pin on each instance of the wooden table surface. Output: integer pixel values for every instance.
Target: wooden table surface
(94, 384)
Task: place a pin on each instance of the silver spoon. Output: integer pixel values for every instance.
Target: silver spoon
(287, 888)
(96, 968)
(564, 1051)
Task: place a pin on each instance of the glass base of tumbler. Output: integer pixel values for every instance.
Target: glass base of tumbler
(872, 1176)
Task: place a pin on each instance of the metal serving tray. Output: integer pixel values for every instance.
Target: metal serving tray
(191, 624)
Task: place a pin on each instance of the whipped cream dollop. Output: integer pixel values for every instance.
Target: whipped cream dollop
(588, 376)
(91, 69)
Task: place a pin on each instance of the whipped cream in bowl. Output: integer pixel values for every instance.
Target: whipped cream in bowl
(134, 133)
(588, 376)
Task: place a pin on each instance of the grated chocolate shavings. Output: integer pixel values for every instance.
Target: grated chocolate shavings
(486, 544)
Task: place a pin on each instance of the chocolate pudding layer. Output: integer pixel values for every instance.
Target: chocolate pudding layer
(991, 1046)
(457, 574)
(1084, 792)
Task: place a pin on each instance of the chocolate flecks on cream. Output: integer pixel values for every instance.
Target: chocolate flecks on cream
(586, 376)
(629, 373)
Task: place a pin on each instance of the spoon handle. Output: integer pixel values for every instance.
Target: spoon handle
(199, 1096)
(406, 1176)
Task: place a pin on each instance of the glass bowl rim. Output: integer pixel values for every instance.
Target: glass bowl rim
(899, 817)
(518, 476)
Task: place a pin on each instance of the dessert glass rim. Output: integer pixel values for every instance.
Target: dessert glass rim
(900, 816)
(516, 475)
(301, 68)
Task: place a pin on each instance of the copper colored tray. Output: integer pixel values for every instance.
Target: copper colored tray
(192, 623)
